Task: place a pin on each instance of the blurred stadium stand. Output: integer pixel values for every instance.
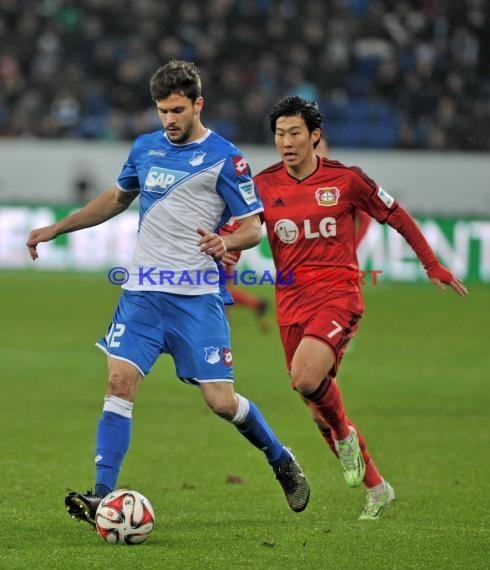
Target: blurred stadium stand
(387, 73)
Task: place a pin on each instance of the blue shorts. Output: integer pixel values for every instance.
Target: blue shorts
(193, 329)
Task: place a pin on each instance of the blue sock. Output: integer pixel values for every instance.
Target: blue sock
(252, 425)
(113, 436)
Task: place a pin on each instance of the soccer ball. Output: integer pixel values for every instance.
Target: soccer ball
(124, 517)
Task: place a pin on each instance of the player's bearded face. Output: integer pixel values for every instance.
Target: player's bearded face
(180, 117)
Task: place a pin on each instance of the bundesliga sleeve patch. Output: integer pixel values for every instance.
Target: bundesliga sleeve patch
(387, 200)
(247, 190)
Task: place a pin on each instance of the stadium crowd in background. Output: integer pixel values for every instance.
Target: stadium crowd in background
(406, 74)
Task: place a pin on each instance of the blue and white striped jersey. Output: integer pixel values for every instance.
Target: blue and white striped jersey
(183, 187)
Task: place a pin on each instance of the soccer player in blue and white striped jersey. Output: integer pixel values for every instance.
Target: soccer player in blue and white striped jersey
(189, 180)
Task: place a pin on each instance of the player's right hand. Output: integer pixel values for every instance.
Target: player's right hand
(37, 236)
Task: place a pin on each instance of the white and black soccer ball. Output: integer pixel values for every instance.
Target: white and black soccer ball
(124, 517)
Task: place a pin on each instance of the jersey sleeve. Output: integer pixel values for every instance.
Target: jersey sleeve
(405, 225)
(371, 198)
(128, 179)
(367, 196)
(236, 187)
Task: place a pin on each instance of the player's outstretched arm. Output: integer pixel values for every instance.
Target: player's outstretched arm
(405, 225)
(98, 210)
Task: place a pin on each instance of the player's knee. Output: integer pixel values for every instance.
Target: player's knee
(120, 385)
(304, 381)
(223, 406)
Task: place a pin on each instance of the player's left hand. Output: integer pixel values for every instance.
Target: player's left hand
(211, 244)
(441, 277)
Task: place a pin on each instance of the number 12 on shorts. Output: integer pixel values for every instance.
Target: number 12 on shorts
(116, 331)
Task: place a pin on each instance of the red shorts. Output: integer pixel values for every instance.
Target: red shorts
(332, 326)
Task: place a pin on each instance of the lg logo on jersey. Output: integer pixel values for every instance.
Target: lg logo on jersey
(288, 232)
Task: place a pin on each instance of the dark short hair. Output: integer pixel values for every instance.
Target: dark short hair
(177, 76)
(297, 106)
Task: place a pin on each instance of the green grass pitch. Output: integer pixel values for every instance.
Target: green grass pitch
(416, 381)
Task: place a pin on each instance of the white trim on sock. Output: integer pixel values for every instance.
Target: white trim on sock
(118, 406)
(242, 410)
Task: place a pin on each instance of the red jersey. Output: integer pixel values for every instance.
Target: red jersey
(311, 226)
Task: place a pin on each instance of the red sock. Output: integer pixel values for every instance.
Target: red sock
(327, 401)
(372, 476)
(326, 433)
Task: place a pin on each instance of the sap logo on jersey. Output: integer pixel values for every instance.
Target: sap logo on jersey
(159, 179)
(287, 231)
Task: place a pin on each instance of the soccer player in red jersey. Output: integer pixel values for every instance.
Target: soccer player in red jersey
(309, 213)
